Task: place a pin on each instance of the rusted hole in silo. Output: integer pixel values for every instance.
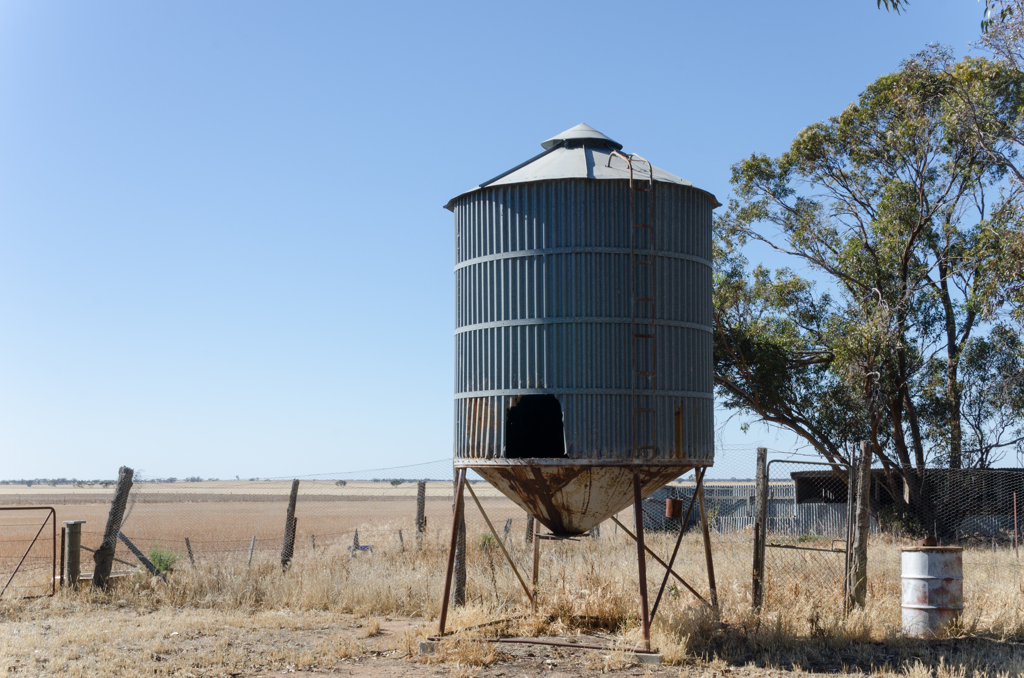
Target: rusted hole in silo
(533, 428)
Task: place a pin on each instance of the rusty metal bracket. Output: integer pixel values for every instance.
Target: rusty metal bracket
(498, 539)
(662, 562)
(52, 514)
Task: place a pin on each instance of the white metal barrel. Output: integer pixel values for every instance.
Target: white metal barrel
(933, 589)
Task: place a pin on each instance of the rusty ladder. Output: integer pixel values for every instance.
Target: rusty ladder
(643, 304)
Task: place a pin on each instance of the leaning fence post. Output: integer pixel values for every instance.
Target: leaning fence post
(252, 547)
(760, 526)
(288, 548)
(858, 587)
(188, 547)
(103, 557)
(72, 551)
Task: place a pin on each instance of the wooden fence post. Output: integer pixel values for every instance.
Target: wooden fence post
(858, 586)
(421, 512)
(188, 547)
(288, 548)
(72, 552)
(103, 557)
(529, 530)
(760, 527)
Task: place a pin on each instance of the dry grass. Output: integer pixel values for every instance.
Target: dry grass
(587, 590)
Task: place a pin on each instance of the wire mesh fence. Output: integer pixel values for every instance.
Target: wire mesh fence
(175, 522)
(807, 530)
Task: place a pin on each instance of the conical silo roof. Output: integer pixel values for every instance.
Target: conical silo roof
(580, 152)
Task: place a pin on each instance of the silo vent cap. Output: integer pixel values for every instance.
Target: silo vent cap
(579, 133)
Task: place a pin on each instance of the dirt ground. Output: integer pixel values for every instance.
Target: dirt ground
(122, 640)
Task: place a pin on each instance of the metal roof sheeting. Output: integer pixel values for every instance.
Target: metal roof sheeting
(580, 152)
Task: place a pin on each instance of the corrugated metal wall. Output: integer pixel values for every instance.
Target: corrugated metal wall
(542, 304)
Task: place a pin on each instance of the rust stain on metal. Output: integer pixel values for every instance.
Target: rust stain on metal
(480, 425)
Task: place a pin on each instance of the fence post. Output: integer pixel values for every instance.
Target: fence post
(288, 548)
(1016, 549)
(851, 484)
(72, 551)
(459, 585)
(760, 527)
(529, 530)
(858, 587)
(103, 557)
(421, 512)
(188, 547)
(252, 547)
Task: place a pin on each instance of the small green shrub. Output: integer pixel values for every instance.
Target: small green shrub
(163, 559)
(396, 482)
(340, 483)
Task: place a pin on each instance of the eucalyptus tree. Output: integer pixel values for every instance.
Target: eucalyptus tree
(873, 270)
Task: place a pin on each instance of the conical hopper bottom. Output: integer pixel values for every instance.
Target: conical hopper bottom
(570, 499)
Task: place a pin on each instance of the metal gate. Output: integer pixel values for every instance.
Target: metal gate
(808, 532)
(28, 559)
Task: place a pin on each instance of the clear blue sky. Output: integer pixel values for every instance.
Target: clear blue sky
(222, 247)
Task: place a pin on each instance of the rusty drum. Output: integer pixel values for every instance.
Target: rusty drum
(933, 592)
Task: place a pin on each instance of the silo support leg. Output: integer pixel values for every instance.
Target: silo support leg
(679, 540)
(707, 546)
(641, 557)
(536, 571)
(501, 543)
(661, 562)
(456, 516)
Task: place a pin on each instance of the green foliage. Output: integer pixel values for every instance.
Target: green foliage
(163, 559)
(881, 227)
(487, 541)
(396, 482)
(900, 520)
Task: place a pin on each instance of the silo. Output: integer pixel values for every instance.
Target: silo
(583, 352)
